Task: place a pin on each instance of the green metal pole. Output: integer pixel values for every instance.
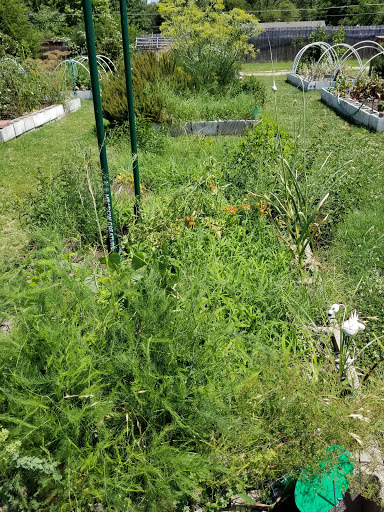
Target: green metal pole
(113, 243)
(131, 112)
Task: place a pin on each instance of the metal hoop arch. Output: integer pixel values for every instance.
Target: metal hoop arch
(319, 44)
(336, 58)
(362, 70)
(361, 45)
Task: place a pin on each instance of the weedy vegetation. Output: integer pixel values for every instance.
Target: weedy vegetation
(189, 369)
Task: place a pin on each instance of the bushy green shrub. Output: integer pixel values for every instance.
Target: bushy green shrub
(253, 166)
(377, 67)
(149, 73)
(209, 42)
(18, 37)
(23, 91)
(251, 85)
(148, 138)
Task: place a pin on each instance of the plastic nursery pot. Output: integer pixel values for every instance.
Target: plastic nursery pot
(320, 488)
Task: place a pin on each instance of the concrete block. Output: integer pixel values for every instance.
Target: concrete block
(250, 123)
(29, 123)
(231, 128)
(82, 95)
(350, 109)
(4, 124)
(308, 85)
(72, 105)
(19, 126)
(60, 111)
(206, 128)
(42, 117)
(7, 133)
(180, 131)
(52, 112)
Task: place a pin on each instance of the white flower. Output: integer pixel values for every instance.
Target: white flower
(274, 88)
(351, 326)
(334, 309)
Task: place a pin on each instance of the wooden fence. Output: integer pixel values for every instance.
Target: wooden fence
(285, 42)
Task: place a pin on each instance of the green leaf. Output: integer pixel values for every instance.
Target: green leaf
(114, 258)
(246, 498)
(138, 261)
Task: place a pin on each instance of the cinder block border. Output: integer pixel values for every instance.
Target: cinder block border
(83, 95)
(353, 112)
(24, 124)
(210, 128)
(307, 85)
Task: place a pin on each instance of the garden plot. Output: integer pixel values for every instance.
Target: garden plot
(354, 110)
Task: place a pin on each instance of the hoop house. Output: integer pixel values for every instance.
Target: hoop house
(73, 66)
(310, 83)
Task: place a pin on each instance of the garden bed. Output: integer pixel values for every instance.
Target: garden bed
(308, 85)
(354, 111)
(16, 127)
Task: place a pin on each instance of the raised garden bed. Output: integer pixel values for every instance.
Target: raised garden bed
(16, 127)
(309, 85)
(354, 111)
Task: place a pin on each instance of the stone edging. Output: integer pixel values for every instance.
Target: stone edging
(349, 109)
(301, 83)
(211, 128)
(17, 127)
(83, 95)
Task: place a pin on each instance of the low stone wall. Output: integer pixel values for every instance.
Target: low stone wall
(11, 129)
(212, 128)
(353, 111)
(307, 85)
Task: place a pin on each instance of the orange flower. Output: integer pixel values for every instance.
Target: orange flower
(211, 187)
(187, 219)
(261, 210)
(191, 223)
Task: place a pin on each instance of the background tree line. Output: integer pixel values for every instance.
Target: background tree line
(23, 23)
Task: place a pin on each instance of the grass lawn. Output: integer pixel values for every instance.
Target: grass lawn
(261, 67)
(191, 370)
(266, 67)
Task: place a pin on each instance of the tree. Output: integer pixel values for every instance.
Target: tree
(16, 28)
(275, 10)
(208, 42)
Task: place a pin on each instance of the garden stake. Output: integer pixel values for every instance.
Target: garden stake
(113, 244)
(131, 112)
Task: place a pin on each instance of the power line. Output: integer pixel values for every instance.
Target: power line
(261, 11)
(314, 8)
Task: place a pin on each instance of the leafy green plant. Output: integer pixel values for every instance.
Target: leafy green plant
(377, 67)
(18, 37)
(251, 85)
(25, 480)
(148, 75)
(208, 42)
(25, 88)
(297, 208)
(253, 166)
